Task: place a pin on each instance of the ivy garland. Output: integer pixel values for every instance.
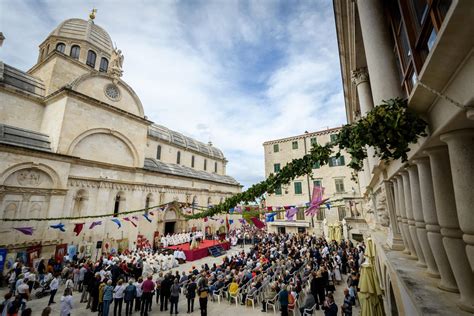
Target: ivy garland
(389, 127)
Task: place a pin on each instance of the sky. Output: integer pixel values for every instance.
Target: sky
(237, 73)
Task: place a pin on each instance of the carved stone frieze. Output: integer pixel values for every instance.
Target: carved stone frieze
(29, 177)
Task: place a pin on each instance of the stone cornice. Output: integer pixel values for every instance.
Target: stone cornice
(303, 136)
(27, 190)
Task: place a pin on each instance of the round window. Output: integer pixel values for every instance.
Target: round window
(112, 92)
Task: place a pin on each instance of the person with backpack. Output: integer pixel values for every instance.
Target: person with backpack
(191, 293)
(174, 296)
(129, 295)
(203, 293)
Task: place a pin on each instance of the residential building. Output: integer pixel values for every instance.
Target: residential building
(423, 226)
(335, 178)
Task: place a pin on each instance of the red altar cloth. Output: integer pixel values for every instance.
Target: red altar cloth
(202, 251)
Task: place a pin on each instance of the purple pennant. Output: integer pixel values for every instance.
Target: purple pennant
(25, 230)
(94, 224)
(290, 213)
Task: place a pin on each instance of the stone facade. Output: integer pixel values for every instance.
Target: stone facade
(421, 210)
(336, 179)
(74, 141)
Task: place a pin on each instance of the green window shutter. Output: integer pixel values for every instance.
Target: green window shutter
(314, 141)
(294, 145)
(341, 161)
(316, 165)
(276, 167)
(298, 188)
(331, 161)
(333, 137)
(276, 148)
(278, 190)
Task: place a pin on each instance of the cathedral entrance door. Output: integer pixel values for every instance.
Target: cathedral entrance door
(169, 228)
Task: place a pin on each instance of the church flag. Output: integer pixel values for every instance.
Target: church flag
(270, 217)
(316, 201)
(130, 221)
(257, 223)
(146, 217)
(227, 224)
(25, 230)
(117, 221)
(59, 226)
(78, 228)
(94, 224)
(290, 213)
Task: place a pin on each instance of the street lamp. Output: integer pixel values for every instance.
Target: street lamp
(307, 176)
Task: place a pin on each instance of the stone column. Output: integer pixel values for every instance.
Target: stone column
(403, 215)
(447, 283)
(360, 77)
(394, 239)
(420, 222)
(414, 246)
(384, 78)
(461, 153)
(450, 230)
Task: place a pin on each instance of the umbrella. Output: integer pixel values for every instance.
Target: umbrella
(370, 251)
(370, 293)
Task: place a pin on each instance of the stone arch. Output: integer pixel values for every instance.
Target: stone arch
(30, 166)
(122, 146)
(392, 302)
(102, 76)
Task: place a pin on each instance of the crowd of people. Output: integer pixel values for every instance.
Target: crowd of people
(281, 269)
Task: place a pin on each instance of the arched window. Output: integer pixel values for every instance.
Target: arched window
(47, 49)
(104, 64)
(118, 198)
(158, 152)
(192, 161)
(178, 157)
(60, 47)
(205, 164)
(75, 50)
(215, 167)
(91, 56)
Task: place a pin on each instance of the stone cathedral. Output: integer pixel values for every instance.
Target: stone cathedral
(75, 141)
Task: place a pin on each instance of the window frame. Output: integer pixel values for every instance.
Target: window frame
(74, 49)
(60, 44)
(275, 167)
(276, 148)
(215, 166)
(192, 161)
(205, 164)
(101, 68)
(91, 58)
(178, 157)
(340, 187)
(158, 152)
(294, 145)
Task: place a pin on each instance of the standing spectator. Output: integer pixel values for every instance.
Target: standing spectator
(347, 305)
(174, 296)
(93, 288)
(24, 292)
(6, 303)
(66, 302)
(70, 283)
(165, 292)
(129, 295)
(191, 294)
(41, 270)
(54, 288)
(283, 299)
(148, 286)
(118, 297)
(329, 307)
(308, 303)
(108, 296)
(138, 298)
(100, 305)
(82, 274)
(203, 293)
(158, 286)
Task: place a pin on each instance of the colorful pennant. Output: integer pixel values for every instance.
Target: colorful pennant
(78, 228)
(25, 230)
(59, 226)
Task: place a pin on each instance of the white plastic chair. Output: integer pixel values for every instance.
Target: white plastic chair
(309, 311)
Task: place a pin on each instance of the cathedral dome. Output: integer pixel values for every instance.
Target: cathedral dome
(80, 29)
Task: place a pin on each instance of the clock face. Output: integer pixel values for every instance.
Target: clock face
(112, 92)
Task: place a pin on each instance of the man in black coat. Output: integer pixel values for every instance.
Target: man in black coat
(165, 291)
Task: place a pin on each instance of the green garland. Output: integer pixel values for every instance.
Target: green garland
(390, 127)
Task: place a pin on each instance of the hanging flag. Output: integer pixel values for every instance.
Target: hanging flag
(231, 221)
(25, 230)
(130, 221)
(328, 205)
(151, 213)
(227, 223)
(316, 201)
(146, 217)
(270, 217)
(117, 221)
(78, 228)
(242, 221)
(135, 218)
(269, 208)
(59, 226)
(257, 223)
(94, 224)
(231, 210)
(290, 213)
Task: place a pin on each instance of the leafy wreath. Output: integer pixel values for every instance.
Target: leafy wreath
(389, 128)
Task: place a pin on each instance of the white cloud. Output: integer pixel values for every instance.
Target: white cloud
(237, 73)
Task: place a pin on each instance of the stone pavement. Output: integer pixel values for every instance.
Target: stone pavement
(214, 308)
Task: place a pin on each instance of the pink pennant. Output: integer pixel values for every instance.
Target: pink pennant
(316, 201)
(129, 220)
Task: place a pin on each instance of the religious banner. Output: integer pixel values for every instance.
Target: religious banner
(156, 240)
(86, 249)
(3, 258)
(71, 250)
(122, 245)
(60, 252)
(22, 256)
(9, 261)
(34, 253)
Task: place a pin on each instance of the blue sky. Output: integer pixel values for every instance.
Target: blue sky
(237, 73)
